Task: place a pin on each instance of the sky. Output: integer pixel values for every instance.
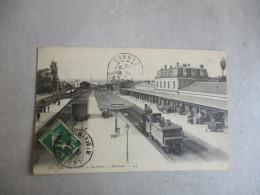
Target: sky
(84, 62)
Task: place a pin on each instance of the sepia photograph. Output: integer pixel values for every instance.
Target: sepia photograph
(130, 110)
(130, 97)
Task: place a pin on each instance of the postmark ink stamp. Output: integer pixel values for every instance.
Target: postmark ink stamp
(125, 69)
(84, 154)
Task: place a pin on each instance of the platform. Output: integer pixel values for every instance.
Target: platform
(110, 152)
(108, 100)
(45, 117)
(216, 139)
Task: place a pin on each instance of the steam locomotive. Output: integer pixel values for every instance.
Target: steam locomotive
(166, 134)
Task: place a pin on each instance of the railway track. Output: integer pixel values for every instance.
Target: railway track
(134, 116)
(192, 149)
(65, 115)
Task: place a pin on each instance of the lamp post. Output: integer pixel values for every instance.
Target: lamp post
(116, 115)
(127, 129)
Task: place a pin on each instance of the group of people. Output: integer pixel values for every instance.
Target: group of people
(43, 110)
(197, 117)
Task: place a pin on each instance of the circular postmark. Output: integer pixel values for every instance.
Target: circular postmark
(84, 154)
(125, 69)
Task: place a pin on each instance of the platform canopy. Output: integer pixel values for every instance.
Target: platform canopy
(108, 100)
(202, 101)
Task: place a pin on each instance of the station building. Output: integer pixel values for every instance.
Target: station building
(175, 78)
(186, 89)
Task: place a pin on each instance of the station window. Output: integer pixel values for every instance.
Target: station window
(173, 84)
(160, 84)
(188, 72)
(205, 73)
(168, 84)
(197, 73)
(180, 72)
(164, 84)
(157, 84)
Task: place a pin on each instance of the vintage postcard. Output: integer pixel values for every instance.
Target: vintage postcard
(129, 110)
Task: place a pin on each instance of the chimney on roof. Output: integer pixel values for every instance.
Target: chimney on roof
(170, 66)
(201, 66)
(184, 65)
(177, 64)
(189, 64)
(165, 66)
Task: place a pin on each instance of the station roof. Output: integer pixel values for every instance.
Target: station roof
(213, 103)
(208, 87)
(108, 100)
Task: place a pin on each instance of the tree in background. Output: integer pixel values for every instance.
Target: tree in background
(223, 66)
(54, 74)
(43, 84)
(47, 79)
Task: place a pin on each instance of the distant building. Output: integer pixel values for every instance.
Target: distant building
(178, 77)
(74, 83)
(84, 85)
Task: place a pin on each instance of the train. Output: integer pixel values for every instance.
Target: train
(166, 134)
(80, 106)
(84, 85)
(80, 111)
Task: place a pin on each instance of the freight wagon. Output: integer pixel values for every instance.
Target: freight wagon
(80, 111)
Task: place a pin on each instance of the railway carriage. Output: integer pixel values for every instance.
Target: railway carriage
(80, 111)
(80, 107)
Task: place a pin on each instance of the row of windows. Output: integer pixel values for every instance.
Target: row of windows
(182, 72)
(163, 84)
(167, 73)
(193, 72)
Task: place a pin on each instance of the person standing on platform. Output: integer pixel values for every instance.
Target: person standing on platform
(58, 102)
(48, 108)
(190, 117)
(38, 115)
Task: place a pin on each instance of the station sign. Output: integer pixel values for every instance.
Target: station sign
(117, 105)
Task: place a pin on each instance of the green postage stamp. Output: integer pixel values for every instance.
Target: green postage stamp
(60, 141)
